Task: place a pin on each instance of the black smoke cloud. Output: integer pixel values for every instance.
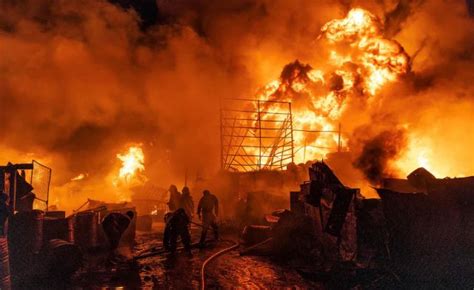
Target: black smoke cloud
(378, 152)
(81, 80)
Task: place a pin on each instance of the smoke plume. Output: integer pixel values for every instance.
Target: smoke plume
(81, 81)
(377, 152)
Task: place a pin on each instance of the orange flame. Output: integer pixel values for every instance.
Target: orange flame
(133, 163)
(380, 60)
(361, 61)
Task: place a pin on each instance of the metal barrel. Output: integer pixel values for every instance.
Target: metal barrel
(25, 239)
(5, 281)
(26, 229)
(70, 225)
(85, 230)
(56, 214)
(58, 228)
(61, 258)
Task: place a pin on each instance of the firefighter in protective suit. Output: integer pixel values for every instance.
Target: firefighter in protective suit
(177, 225)
(175, 198)
(187, 202)
(208, 209)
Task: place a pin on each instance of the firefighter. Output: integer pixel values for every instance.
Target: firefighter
(208, 210)
(175, 198)
(114, 225)
(177, 225)
(187, 203)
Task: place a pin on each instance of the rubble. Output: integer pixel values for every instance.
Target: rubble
(431, 226)
(420, 233)
(419, 230)
(331, 207)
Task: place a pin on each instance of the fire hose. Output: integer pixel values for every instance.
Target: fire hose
(214, 256)
(156, 252)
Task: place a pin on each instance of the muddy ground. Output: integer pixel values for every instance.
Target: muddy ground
(229, 271)
(180, 271)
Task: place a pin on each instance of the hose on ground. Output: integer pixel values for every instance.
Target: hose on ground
(208, 260)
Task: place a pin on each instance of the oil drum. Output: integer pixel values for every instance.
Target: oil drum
(25, 230)
(25, 239)
(85, 230)
(58, 228)
(55, 214)
(60, 258)
(5, 282)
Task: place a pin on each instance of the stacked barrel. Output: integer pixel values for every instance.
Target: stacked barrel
(25, 240)
(40, 246)
(5, 281)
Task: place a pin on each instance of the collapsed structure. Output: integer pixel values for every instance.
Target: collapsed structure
(431, 226)
(421, 228)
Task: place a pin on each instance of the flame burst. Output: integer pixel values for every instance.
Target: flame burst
(133, 164)
(360, 62)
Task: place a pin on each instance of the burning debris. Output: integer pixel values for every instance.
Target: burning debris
(123, 98)
(420, 219)
(377, 153)
(361, 62)
(351, 68)
(427, 219)
(133, 163)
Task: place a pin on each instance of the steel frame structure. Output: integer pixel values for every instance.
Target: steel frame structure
(256, 135)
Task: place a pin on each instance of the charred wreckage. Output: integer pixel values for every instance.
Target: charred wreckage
(416, 232)
(419, 230)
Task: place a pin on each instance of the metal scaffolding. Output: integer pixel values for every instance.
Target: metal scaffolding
(256, 135)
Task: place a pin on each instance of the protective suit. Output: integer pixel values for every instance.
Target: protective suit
(177, 226)
(187, 203)
(175, 198)
(208, 209)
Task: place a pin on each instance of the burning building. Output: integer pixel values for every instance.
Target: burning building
(360, 62)
(124, 98)
(350, 71)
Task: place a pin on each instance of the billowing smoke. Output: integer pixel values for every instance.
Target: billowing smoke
(378, 152)
(81, 81)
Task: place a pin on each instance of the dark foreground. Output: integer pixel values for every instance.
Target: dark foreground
(230, 270)
(181, 271)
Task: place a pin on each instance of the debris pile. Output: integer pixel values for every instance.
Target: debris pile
(430, 222)
(418, 231)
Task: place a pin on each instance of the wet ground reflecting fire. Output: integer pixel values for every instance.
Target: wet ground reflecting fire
(229, 271)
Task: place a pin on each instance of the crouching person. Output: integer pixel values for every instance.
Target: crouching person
(114, 225)
(177, 225)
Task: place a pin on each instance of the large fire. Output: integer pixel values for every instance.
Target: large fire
(155, 84)
(133, 164)
(360, 62)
